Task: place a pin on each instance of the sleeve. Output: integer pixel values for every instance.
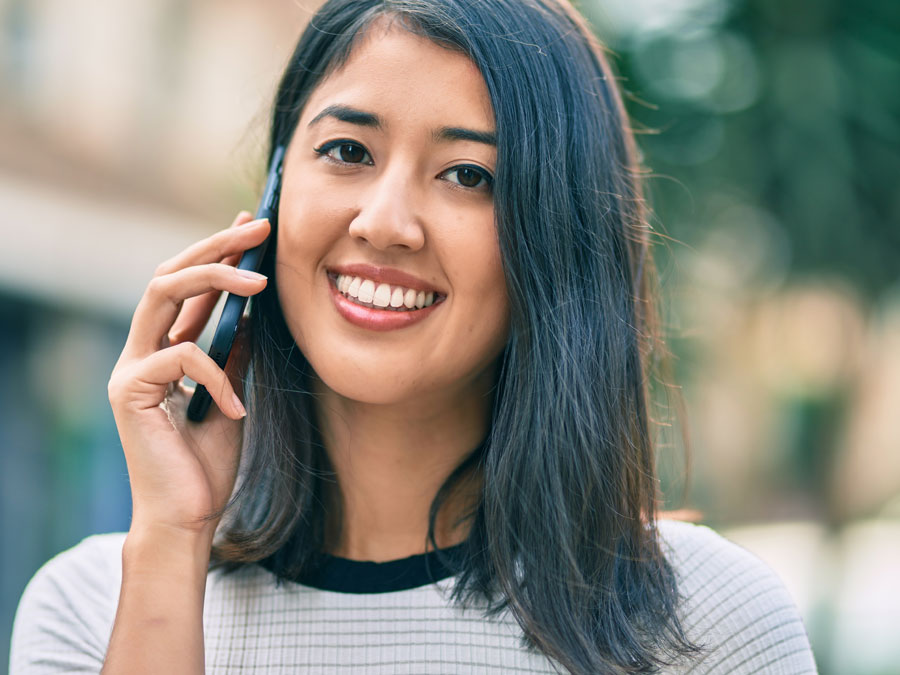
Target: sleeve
(65, 616)
(735, 607)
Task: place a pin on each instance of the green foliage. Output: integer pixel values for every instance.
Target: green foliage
(777, 115)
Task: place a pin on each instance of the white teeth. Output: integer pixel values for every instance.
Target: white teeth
(397, 297)
(353, 288)
(366, 291)
(382, 297)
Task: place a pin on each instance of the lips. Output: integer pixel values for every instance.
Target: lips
(379, 298)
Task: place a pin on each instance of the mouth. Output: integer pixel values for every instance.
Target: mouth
(380, 295)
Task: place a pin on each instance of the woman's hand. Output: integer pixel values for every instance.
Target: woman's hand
(182, 471)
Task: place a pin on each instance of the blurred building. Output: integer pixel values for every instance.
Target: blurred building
(127, 131)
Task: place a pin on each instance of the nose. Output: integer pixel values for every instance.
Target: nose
(388, 216)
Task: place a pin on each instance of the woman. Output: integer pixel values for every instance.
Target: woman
(447, 463)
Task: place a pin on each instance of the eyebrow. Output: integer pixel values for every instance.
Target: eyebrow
(345, 113)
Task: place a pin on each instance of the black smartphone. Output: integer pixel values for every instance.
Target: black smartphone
(223, 338)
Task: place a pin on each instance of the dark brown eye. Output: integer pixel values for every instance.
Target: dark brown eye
(351, 153)
(344, 152)
(468, 177)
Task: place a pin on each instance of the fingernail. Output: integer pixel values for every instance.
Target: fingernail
(251, 275)
(238, 406)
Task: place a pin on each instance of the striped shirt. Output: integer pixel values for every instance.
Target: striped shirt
(733, 605)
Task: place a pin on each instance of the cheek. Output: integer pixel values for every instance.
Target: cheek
(495, 289)
(309, 222)
(479, 262)
(313, 210)
(494, 318)
(480, 266)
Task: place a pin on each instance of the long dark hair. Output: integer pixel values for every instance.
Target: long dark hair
(564, 532)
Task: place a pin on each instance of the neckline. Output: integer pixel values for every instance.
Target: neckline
(343, 575)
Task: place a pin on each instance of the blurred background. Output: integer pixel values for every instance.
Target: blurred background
(771, 128)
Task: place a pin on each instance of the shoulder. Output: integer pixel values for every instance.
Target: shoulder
(734, 605)
(65, 615)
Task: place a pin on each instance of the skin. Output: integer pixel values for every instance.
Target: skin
(398, 409)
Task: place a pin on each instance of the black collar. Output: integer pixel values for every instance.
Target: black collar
(343, 575)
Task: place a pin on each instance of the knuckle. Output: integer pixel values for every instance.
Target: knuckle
(190, 351)
(163, 269)
(115, 387)
(157, 286)
(220, 244)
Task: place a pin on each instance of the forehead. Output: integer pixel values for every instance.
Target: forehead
(406, 76)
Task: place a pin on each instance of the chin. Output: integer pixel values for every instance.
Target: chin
(402, 383)
(373, 386)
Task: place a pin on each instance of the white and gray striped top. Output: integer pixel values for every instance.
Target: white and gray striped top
(733, 604)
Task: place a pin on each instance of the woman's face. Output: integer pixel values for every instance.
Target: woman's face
(388, 265)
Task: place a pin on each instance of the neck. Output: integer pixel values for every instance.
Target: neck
(390, 462)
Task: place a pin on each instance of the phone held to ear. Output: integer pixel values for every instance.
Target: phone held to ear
(223, 338)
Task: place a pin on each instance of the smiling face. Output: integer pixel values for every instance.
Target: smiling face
(388, 265)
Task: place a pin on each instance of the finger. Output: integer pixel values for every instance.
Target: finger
(162, 301)
(153, 375)
(242, 218)
(218, 246)
(192, 319)
(195, 312)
